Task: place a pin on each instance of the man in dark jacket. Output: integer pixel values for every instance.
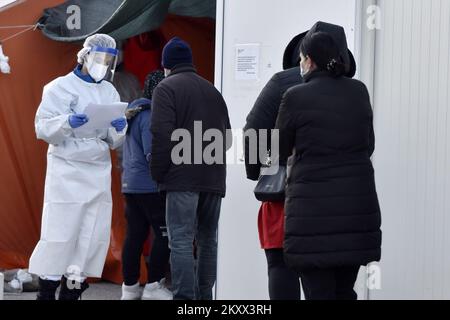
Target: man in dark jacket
(188, 113)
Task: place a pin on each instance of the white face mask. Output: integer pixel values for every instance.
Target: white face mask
(303, 72)
(96, 70)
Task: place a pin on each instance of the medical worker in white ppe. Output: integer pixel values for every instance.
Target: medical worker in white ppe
(77, 210)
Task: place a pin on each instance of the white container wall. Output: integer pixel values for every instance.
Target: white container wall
(2, 285)
(272, 24)
(412, 159)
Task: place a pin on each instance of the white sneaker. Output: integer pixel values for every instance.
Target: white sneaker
(131, 292)
(157, 291)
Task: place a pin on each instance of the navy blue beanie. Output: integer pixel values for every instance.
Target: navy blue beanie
(176, 51)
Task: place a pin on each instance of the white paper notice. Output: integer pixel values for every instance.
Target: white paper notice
(247, 61)
(101, 115)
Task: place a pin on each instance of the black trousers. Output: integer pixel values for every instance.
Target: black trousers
(142, 212)
(330, 284)
(284, 283)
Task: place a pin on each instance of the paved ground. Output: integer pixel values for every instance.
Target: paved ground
(96, 291)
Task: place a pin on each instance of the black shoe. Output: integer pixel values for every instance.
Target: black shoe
(47, 289)
(73, 291)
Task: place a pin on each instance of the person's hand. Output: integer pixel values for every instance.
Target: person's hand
(119, 124)
(77, 120)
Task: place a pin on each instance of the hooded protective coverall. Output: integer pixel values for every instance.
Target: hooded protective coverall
(77, 210)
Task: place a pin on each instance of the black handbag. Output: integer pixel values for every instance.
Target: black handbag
(271, 186)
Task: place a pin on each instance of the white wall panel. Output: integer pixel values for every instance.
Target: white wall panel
(412, 159)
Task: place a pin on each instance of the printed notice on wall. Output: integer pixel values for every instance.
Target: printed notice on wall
(247, 61)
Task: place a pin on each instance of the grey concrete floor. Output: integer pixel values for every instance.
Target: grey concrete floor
(96, 291)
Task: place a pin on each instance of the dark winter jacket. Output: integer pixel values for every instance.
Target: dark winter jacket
(136, 176)
(178, 101)
(332, 213)
(265, 112)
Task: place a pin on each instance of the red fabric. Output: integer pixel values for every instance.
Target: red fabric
(271, 225)
(142, 56)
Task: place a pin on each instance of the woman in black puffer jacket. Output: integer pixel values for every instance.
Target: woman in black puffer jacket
(333, 217)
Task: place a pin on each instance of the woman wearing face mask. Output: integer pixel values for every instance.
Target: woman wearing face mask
(284, 283)
(77, 208)
(333, 218)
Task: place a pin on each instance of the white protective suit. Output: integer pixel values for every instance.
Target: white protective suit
(76, 219)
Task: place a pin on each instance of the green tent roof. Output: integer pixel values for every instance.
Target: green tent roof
(121, 19)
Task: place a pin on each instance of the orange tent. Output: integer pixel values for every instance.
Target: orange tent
(36, 60)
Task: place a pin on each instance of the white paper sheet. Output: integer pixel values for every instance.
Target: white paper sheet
(247, 61)
(101, 115)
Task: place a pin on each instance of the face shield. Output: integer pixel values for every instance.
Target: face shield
(101, 63)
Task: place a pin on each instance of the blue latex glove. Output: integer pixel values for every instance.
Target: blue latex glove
(119, 124)
(77, 120)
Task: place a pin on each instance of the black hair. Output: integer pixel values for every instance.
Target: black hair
(323, 50)
(151, 81)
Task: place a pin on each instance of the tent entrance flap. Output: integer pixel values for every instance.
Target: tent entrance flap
(74, 20)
